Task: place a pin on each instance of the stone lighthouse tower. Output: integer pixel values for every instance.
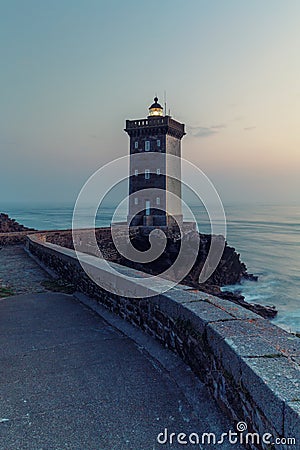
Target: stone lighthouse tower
(155, 169)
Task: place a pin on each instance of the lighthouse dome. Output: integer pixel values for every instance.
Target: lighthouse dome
(155, 109)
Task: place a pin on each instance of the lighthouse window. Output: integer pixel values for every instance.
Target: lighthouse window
(158, 142)
(147, 146)
(157, 200)
(136, 144)
(147, 174)
(147, 207)
(136, 172)
(157, 171)
(136, 201)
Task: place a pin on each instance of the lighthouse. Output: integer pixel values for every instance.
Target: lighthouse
(155, 169)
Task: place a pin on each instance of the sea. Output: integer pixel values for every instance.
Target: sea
(266, 236)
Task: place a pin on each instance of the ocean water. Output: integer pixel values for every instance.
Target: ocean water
(266, 236)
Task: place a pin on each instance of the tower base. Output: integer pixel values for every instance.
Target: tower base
(155, 220)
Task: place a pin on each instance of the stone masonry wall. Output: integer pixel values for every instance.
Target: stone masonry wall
(250, 366)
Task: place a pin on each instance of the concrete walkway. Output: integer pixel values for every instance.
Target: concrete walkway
(20, 272)
(69, 380)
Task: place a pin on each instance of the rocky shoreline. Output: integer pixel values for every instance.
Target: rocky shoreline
(230, 270)
(8, 225)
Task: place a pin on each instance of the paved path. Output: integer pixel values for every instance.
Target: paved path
(71, 381)
(19, 271)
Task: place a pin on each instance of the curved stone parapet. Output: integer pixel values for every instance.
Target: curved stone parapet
(250, 365)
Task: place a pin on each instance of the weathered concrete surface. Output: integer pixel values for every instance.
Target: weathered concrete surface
(71, 381)
(20, 272)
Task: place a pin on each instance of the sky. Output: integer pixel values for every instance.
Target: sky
(72, 72)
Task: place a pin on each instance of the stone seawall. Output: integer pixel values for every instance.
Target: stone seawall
(230, 269)
(250, 366)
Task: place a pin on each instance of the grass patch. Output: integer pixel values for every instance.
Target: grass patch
(6, 291)
(59, 286)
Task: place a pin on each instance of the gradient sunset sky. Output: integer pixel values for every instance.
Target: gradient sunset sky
(73, 71)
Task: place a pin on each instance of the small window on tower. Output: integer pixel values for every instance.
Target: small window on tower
(158, 142)
(136, 201)
(136, 144)
(147, 174)
(147, 146)
(136, 172)
(157, 171)
(158, 200)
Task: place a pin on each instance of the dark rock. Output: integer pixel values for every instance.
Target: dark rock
(8, 225)
(230, 270)
(250, 277)
(268, 312)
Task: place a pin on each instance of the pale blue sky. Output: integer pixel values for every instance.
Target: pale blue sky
(73, 71)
